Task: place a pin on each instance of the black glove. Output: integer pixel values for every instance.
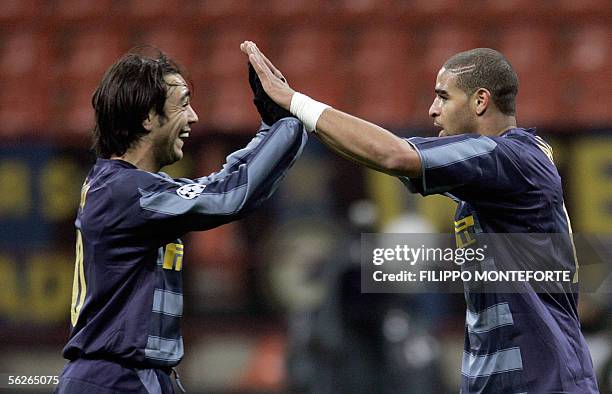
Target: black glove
(269, 111)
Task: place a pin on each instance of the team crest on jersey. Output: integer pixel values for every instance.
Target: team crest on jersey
(190, 191)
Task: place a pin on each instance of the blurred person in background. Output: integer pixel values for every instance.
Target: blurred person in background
(357, 342)
(504, 181)
(127, 295)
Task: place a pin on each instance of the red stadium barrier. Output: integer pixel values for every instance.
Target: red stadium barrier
(341, 58)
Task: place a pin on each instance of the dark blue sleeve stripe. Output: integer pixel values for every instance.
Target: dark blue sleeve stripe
(444, 155)
(454, 161)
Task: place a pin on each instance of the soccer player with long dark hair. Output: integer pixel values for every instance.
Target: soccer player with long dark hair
(127, 298)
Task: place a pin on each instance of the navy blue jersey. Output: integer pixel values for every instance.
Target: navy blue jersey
(514, 342)
(127, 297)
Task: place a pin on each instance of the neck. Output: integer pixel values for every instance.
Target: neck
(139, 156)
(496, 125)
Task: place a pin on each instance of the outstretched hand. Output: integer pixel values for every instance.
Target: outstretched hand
(269, 111)
(271, 78)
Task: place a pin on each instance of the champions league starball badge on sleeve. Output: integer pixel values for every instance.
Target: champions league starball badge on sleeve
(190, 191)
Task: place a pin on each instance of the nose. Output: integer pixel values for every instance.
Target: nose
(434, 110)
(193, 117)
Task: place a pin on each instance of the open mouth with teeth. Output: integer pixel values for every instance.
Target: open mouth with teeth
(184, 134)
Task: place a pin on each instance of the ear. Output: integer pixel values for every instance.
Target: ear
(482, 100)
(147, 123)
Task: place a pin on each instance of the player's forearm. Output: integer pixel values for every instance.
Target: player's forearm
(268, 164)
(251, 175)
(367, 144)
(357, 139)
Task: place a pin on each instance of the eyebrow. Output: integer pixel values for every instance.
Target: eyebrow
(178, 85)
(184, 95)
(441, 92)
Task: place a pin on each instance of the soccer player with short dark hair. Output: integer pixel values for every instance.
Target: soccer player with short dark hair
(504, 181)
(127, 298)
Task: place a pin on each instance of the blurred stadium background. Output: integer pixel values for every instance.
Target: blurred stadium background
(271, 297)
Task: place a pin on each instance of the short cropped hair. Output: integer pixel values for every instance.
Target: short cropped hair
(489, 69)
(129, 89)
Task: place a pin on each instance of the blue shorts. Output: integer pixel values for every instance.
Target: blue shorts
(106, 377)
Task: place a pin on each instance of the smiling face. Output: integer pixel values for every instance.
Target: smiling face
(451, 109)
(168, 132)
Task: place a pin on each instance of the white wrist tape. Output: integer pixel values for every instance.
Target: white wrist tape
(307, 110)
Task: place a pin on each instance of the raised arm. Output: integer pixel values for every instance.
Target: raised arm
(173, 207)
(347, 135)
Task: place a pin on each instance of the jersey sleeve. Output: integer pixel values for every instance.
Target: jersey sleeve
(249, 176)
(461, 164)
